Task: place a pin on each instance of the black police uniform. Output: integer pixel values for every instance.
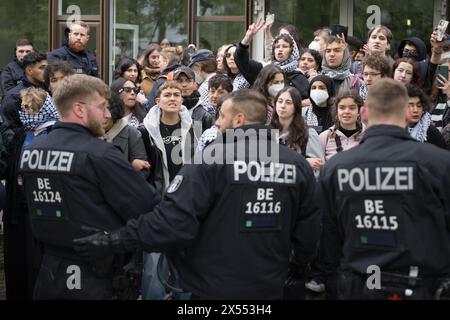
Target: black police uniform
(76, 184)
(228, 229)
(11, 75)
(83, 63)
(386, 204)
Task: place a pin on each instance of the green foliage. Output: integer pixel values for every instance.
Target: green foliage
(394, 15)
(22, 19)
(306, 15)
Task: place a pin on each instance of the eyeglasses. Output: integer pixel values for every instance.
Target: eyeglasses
(136, 90)
(372, 74)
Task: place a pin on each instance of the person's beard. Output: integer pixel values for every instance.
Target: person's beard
(77, 46)
(96, 128)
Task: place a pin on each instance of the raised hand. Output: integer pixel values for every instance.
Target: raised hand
(252, 30)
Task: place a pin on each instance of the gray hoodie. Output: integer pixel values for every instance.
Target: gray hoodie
(152, 124)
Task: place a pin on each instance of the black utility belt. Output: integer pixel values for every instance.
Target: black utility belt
(401, 286)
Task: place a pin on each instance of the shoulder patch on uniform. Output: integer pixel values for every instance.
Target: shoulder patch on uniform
(176, 182)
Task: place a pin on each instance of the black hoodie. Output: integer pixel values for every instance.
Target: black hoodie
(426, 68)
(418, 43)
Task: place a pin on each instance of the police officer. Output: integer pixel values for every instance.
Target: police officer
(13, 72)
(75, 50)
(387, 208)
(229, 227)
(75, 184)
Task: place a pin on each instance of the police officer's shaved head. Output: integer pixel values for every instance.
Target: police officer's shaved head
(76, 87)
(249, 102)
(387, 101)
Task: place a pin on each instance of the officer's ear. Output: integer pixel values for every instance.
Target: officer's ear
(363, 114)
(239, 120)
(78, 109)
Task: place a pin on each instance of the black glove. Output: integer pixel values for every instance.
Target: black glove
(101, 244)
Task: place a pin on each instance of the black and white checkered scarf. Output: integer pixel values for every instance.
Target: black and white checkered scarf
(47, 113)
(419, 131)
(291, 63)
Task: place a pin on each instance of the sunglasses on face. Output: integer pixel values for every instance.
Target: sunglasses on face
(129, 90)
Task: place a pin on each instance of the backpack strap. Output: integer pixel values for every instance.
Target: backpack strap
(337, 139)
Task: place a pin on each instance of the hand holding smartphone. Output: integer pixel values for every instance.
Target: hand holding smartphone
(442, 71)
(270, 18)
(440, 30)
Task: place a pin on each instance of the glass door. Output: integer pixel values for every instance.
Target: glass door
(91, 12)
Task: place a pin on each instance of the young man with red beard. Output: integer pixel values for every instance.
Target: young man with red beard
(75, 51)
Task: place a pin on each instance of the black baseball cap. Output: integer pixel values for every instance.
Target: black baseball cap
(202, 54)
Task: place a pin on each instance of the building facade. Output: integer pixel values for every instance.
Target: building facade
(125, 27)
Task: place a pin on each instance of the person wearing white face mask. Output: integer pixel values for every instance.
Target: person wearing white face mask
(284, 54)
(269, 82)
(320, 38)
(318, 115)
(314, 45)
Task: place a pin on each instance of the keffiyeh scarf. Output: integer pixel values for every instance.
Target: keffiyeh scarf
(240, 83)
(47, 113)
(291, 63)
(311, 118)
(340, 73)
(419, 131)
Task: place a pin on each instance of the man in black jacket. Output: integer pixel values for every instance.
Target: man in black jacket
(75, 51)
(76, 184)
(386, 208)
(13, 72)
(230, 227)
(34, 65)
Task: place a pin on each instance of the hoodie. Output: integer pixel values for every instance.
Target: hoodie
(152, 123)
(418, 43)
(426, 69)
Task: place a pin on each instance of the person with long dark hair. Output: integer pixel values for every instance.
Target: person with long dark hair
(270, 81)
(128, 91)
(125, 137)
(293, 131)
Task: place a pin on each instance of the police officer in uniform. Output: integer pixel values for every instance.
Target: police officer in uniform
(387, 209)
(75, 185)
(230, 222)
(75, 51)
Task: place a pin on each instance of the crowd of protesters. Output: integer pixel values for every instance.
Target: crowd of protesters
(170, 97)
